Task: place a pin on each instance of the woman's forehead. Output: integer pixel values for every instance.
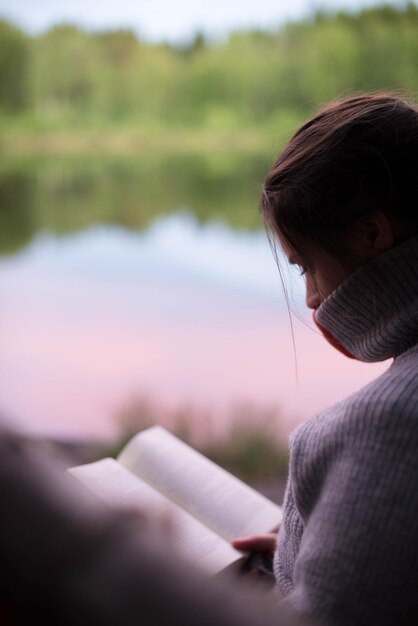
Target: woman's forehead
(294, 256)
(285, 246)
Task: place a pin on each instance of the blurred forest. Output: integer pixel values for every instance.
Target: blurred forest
(101, 127)
(68, 79)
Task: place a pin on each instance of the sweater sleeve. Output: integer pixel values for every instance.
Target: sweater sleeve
(357, 561)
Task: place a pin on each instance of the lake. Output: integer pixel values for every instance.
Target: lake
(127, 283)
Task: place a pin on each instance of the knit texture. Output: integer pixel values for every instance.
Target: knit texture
(347, 551)
(373, 314)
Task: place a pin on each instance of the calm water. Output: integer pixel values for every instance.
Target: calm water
(126, 281)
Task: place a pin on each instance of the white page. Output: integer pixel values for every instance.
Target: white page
(122, 489)
(215, 497)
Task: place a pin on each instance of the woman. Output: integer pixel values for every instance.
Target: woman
(342, 202)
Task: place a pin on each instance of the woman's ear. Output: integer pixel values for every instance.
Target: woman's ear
(372, 234)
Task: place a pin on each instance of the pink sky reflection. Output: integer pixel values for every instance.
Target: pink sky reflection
(75, 349)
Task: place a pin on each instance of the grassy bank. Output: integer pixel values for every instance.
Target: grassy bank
(120, 142)
(28, 137)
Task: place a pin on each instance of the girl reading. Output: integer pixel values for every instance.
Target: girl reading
(342, 203)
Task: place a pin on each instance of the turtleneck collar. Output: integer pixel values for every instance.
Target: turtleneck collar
(373, 314)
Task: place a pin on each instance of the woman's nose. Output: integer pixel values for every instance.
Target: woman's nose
(313, 298)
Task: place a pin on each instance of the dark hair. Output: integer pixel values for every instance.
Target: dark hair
(354, 156)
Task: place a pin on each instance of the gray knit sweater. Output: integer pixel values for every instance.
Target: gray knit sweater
(347, 551)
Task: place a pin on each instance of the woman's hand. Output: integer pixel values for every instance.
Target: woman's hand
(259, 563)
(256, 543)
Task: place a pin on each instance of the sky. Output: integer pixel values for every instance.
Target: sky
(165, 20)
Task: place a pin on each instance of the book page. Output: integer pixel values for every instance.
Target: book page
(192, 540)
(209, 493)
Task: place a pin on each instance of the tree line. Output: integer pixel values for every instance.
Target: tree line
(68, 74)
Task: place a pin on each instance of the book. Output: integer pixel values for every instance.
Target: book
(207, 506)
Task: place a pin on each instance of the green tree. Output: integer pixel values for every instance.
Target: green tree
(14, 58)
(64, 71)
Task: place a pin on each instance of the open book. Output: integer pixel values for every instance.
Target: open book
(207, 505)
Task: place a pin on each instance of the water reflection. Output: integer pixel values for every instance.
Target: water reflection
(66, 195)
(180, 311)
(17, 223)
(175, 247)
